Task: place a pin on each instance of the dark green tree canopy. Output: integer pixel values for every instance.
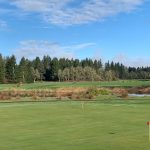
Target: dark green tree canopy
(64, 69)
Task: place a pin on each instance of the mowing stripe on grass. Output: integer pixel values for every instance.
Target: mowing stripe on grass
(15, 105)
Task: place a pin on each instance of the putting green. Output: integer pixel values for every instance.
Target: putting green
(66, 126)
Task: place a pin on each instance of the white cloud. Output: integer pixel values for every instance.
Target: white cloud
(133, 62)
(3, 24)
(79, 46)
(69, 12)
(32, 48)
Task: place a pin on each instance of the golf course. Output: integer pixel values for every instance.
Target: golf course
(74, 74)
(105, 122)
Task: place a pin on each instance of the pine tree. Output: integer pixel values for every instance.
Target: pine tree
(37, 63)
(30, 76)
(22, 70)
(54, 69)
(2, 69)
(46, 62)
(47, 67)
(10, 69)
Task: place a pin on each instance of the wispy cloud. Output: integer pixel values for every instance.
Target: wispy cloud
(129, 61)
(3, 25)
(32, 48)
(79, 46)
(70, 12)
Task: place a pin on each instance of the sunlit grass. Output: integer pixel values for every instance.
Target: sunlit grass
(53, 85)
(65, 125)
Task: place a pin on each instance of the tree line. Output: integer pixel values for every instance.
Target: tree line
(63, 69)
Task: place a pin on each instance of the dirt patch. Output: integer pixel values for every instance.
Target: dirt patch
(139, 90)
(71, 92)
(120, 92)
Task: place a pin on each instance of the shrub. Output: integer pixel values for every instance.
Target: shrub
(104, 92)
(93, 91)
(35, 97)
(123, 93)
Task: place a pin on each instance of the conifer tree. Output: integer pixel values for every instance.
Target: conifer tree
(10, 69)
(2, 69)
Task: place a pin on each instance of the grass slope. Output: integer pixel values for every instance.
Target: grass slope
(65, 125)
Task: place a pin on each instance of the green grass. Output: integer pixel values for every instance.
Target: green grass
(52, 85)
(117, 125)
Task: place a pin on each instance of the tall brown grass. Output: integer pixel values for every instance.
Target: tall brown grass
(69, 93)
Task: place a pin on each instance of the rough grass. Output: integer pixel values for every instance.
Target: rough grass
(119, 125)
(61, 93)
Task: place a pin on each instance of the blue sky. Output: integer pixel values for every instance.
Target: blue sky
(117, 30)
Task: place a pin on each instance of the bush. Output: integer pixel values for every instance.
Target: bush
(104, 92)
(123, 93)
(93, 91)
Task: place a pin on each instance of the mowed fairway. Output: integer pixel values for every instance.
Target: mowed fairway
(54, 85)
(67, 126)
